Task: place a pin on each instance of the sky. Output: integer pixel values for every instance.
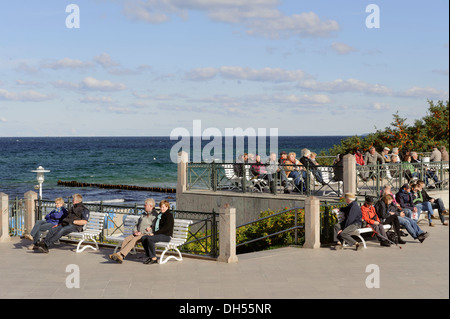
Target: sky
(147, 67)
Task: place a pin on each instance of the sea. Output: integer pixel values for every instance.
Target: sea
(139, 161)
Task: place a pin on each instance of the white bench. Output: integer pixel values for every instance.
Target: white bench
(179, 237)
(231, 176)
(365, 230)
(236, 180)
(128, 227)
(92, 229)
(327, 177)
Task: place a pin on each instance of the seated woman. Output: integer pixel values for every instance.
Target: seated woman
(369, 215)
(51, 220)
(163, 231)
(385, 210)
(294, 170)
(409, 169)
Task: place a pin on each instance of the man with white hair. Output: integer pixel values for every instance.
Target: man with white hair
(385, 154)
(352, 221)
(394, 157)
(309, 164)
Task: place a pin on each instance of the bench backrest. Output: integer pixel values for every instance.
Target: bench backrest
(96, 222)
(229, 171)
(180, 228)
(128, 224)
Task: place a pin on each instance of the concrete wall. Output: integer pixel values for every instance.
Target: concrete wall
(248, 206)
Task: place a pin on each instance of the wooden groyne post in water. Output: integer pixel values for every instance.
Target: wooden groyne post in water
(125, 187)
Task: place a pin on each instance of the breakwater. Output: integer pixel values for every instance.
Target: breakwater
(111, 186)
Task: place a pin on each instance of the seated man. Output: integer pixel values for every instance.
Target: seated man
(372, 157)
(77, 217)
(272, 170)
(309, 164)
(405, 199)
(369, 215)
(352, 221)
(428, 173)
(283, 172)
(411, 226)
(429, 203)
(143, 227)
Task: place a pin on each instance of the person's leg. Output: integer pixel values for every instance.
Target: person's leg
(406, 222)
(128, 244)
(428, 207)
(150, 241)
(38, 228)
(439, 205)
(337, 228)
(57, 232)
(346, 234)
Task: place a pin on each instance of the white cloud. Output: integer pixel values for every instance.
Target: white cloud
(259, 17)
(424, 92)
(96, 99)
(350, 85)
(91, 84)
(66, 63)
(342, 48)
(277, 75)
(25, 96)
(105, 60)
(3, 120)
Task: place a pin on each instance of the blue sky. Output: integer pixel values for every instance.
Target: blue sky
(146, 67)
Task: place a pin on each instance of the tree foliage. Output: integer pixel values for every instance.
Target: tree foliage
(427, 132)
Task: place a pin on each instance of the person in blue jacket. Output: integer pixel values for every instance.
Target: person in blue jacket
(51, 220)
(351, 222)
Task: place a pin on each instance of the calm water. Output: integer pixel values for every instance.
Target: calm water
(142, 161)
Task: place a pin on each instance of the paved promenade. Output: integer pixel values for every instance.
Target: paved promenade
(415, 271)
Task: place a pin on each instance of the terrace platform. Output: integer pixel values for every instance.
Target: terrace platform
(418, 270)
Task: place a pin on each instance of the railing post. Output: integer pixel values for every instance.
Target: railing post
(227, 235)
(4, 218)
(30, 211)
(182, 172)
(214, 234)
(312, 222)
(349, 174)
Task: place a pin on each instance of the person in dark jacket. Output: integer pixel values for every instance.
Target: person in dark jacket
(386, 213)
(406, 200)
(77, 217)
(338, 168)
(429, 203)
(352, 221)
(51, 220)
(163, 231)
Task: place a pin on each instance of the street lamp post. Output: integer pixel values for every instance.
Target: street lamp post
(40, 178)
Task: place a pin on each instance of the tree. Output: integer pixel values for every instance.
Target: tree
(427, 132)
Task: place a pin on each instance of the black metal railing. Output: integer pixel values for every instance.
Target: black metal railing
(265, 178)
(202, 234)
(319, 180)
